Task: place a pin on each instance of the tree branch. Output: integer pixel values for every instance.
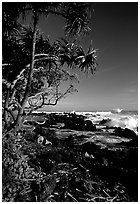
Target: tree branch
(15, 102)
(17, 78)
(6, 103)
(28, 85)
(58, 97)
(33, 108)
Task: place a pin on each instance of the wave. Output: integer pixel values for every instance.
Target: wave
(115, 120)
(124, 119)
(124, 122)
(103, 113)
(117, 110)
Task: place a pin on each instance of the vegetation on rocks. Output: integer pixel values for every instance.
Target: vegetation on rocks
(39, 164)
(35, 69)
(69, 169)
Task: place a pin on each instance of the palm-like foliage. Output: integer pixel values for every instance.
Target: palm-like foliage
(34, 69)
(43, 63)
(10, 14)
(75, 13)
(48, 68)
(74, 56)
(77, 18)
(67, 52)
(14, 57)
(87, 61)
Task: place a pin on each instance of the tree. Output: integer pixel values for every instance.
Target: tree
(40, 67)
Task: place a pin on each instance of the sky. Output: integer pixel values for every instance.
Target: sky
(114, 32)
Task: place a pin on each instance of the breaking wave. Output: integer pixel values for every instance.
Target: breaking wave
(122, 119)
(126, 122)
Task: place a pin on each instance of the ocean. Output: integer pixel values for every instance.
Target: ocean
(115, 118)
(123, 119)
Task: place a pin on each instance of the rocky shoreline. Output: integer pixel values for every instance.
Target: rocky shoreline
(76, 148)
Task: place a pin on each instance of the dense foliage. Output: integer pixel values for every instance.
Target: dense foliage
(39, 165)
(56, 172)
(34, 69)
(33, 73)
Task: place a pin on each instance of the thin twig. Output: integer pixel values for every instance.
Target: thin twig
(106, 193)
(72, 197)
(113, 198)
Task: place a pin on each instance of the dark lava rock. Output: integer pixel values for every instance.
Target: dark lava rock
(104, 121)
(116, 165)
(89, 126)
(74, 122)
(127, 133)
(77, 122)
(132, 143)
(39, 130)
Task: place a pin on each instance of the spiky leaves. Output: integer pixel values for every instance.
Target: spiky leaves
(45, 63)
(75, 57)
(77, 18)
(87, 61)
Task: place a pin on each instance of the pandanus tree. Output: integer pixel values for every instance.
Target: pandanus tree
(33, 68)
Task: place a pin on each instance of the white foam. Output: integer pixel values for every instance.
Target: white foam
(117, 120)
(131, 123)
(117, 110)
(124, 122)
(104, 113)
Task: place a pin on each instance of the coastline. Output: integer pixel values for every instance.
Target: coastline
(109, 153)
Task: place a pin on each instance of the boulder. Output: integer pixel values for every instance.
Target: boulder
(74, 122)
(130, 134)
(105, 121)
(89, 126)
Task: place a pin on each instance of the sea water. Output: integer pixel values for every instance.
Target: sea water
(123, 119)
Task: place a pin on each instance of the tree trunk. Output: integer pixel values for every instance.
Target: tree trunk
(6, 107)
(28, 86)
(13, 95)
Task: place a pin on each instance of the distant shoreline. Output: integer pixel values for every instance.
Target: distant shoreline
(94, 111)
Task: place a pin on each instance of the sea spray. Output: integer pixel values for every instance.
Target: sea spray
(123, 119)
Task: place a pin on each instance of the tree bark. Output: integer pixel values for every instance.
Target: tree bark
(5, 109)
(28, 86)
(13, 94)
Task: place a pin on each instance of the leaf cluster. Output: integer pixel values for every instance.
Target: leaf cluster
(51, 59)
(17, 174)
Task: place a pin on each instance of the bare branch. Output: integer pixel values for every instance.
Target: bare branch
(6, 64)
(46, 58)
(37, 106)
(58, 97)
(15, 102)
(41, 54)
(12, 96)
(17, 78)
(33, 108)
